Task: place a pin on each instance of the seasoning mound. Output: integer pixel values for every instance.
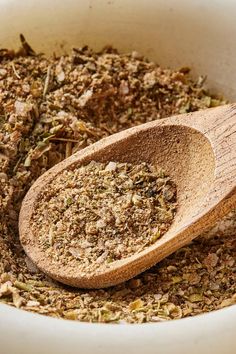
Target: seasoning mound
(53, 107)
(91, 216)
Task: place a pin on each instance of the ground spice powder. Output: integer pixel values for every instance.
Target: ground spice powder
(90, 216)
(51, 108)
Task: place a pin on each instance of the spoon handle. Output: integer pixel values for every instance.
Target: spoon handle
(219, 127)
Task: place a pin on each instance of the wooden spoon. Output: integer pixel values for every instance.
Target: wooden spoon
(198, 151)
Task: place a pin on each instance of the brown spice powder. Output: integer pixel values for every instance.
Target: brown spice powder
(51, 108)
(91, 216)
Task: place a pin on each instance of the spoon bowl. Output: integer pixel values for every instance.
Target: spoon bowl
(197, 150)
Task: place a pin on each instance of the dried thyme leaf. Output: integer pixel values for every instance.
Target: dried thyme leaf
(136, 305)
(22, 286)
(176, 279)
(195, 298)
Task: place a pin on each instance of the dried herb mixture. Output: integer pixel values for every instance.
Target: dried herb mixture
(102, 212)
(53, 107)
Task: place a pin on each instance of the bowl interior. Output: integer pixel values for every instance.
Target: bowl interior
(175, 34)
(197, 33)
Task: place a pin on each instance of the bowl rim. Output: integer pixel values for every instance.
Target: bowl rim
(23, 332)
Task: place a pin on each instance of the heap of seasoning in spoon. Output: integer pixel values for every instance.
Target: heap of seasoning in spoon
(94, 215)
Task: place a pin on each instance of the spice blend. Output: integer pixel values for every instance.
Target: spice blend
(102, 212)
(53, 107)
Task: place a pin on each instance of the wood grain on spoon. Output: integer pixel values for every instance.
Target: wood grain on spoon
(198, 151)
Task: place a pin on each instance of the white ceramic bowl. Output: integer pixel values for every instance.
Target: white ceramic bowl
(199, 33)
